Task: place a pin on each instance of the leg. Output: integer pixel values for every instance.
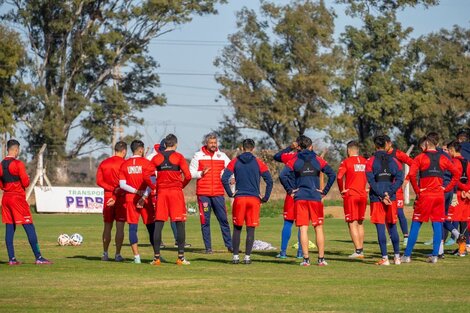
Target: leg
(414, 231)
(403, 222)
(151, 231)
(304, 240)
(320, 239)
(236, 239)
(175, 231)
(382, 239)
(218, 205)
(119, 238)
(299, 249)
(360, 231)
(106, 237)
(250, 239)
(205, 216)
(354, 233)
(392, 230)
(9, 235)
(437, 237)
(133, 240)
(33, 239)
(181, 239)
(157, 238)
(285, 236)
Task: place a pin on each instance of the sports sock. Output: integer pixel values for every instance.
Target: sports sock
(360, 251)
(247, 257)
(382, 238)
(157, 236)
(181, 256)
(455, 233)
(33, 239)
(9, 235)
(105, 253)
(403, 221)
(180, 236)
(436, 238)
(392, 229)
(321, 259)
(236, 257)
(286, 233)
(414, 231)
(236, 239)
(151, 231)
(441, 247)
(250, 239)
(133, 239)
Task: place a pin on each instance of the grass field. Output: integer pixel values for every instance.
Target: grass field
(80, 282)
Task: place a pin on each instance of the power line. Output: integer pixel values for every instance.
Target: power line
(186, 74)
(190, 87)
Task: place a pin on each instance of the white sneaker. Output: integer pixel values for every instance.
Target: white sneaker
(397, 260)
(383, 261)
(432, 259)
(356, 256)
(137, 260)
(322, 263)
(405, 259)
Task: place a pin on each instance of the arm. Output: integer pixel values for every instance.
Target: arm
(341, 176)
(414, 169)
(278, 156)
(228, 172)
(287, 178)
(148, 172)
(371, 177)
(100, 181)
(124, 186)
(448, 165)
(398, 181)
(264, 172)
(331, 178)
(24, 178)
(194, 167)
(404, 158)
(185, 169)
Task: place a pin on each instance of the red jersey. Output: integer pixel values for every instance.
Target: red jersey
(400, 156)
(354, 168)
(172, 170)
(13, 176)
(136, 171)
(458, 164)
(433, 184)
(107, 175)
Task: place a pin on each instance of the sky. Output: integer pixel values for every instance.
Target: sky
(192, 48)
(186, 57)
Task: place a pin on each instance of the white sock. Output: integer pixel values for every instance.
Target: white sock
(137, 256)
(247, 257)
(236, 257)
(456, 233)
(397, 255)
(441, 247)
(385, 257)
(105, 253)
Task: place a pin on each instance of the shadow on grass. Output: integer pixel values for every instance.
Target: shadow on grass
(254, 260)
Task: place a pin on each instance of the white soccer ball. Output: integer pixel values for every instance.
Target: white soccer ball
(76, 239)
(63, 240)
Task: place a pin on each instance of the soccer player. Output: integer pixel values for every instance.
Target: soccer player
(246, 207)
(352, 182)
(158, 148)
(459, 210)
(285, 156)
(172, 176)
(207, 167)
(107, 177)
(430, 166)
(385, 177)
(404, 159)
(135, 178)
(302, 180)
(15, 209)
(463, 137)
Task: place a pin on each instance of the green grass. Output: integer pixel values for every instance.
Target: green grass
(80, 282)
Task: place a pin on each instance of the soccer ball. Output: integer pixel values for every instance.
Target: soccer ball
(76, 239)
(63, 240)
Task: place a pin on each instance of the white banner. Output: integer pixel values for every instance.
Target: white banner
(69, 199)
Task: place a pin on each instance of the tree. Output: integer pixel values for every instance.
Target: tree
(78, 49)
(437, 85)
(229, 134)
(361, 7)
(279, 68)
(371, 80)
(12, 54)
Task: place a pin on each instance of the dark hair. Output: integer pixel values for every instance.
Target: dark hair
(387, 138)
(120, 146)
(380, 141)
(462, 135)
(304, 142)
(421, 141)
(170, 141)
(433, 138)
(248, 144)
(12, 143)
(352, 144)
(455, 144)
(136, 144)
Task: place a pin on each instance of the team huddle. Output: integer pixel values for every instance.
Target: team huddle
(151, 188)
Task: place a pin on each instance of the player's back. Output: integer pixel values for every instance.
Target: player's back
(134, 170)
(13, 176)
(169, 166)
(110, 169)
(431, 172)
(355, 172)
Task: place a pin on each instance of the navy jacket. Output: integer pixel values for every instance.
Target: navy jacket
(247, 170)
(303, 173)
(392, 170)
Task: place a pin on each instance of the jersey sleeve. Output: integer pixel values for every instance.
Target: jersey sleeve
(341, 175)
(185, 170)
(24, 178)
(264, 171)
(448, 165)
(194, 167)
(101, 181)
(404, 158)
(399, 177)
(413, 174)
(228, 172)
(371, 177)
